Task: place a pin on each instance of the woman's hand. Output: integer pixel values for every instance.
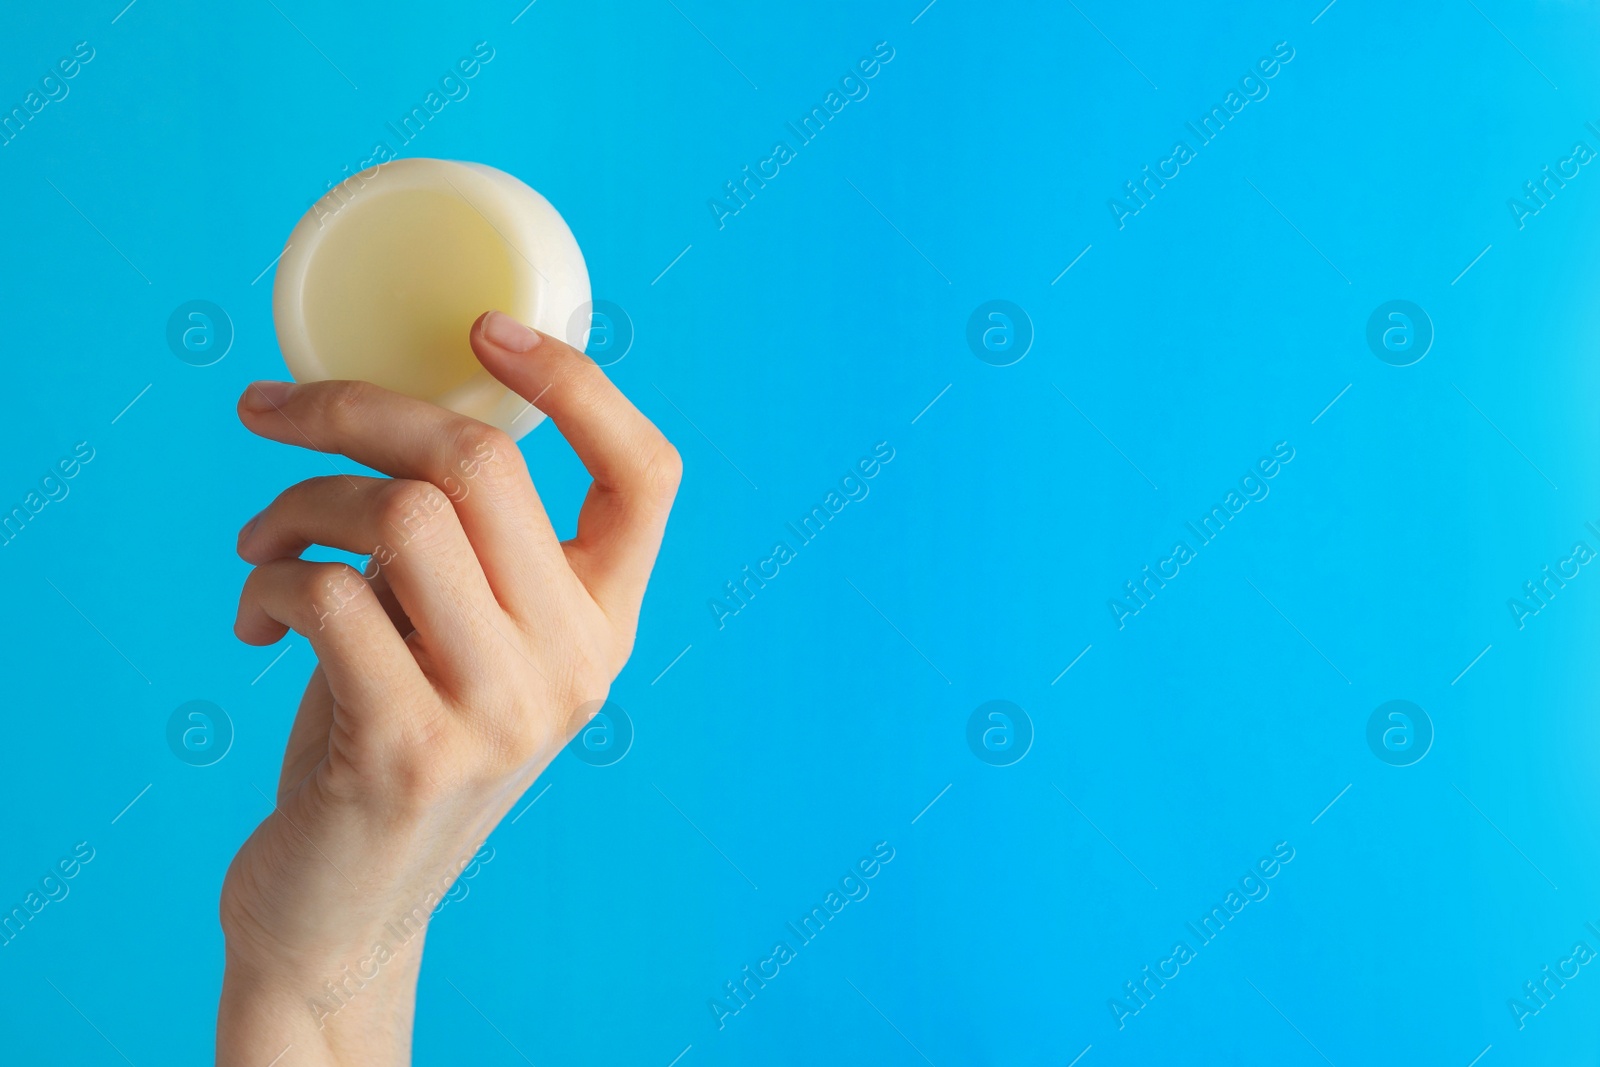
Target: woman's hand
(446, 681)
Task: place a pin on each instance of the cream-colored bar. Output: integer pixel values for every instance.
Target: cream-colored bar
(383, 277)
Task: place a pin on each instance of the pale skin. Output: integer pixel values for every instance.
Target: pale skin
(445, 682)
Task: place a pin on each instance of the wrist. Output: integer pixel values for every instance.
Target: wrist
(260, 1017)
(337, 1011)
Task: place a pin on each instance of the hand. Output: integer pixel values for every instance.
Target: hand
(446, 681)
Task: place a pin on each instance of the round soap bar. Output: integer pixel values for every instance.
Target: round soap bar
(381, 280)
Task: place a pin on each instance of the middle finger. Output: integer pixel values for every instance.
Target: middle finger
(415, 540)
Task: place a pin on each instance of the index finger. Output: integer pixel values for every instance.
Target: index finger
(479, 467)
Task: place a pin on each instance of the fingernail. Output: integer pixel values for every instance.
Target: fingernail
(508, 333)
(262, 397)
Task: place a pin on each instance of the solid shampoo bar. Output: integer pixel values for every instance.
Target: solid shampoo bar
(383, 277)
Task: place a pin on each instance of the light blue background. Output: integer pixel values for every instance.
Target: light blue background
(821, 320)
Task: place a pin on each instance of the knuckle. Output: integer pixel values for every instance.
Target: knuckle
(329, 588)
(479, 440)
(418, 776)
(339, 403)
(405, 507)
(475, 449)
(663, 469)
(474, 440)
